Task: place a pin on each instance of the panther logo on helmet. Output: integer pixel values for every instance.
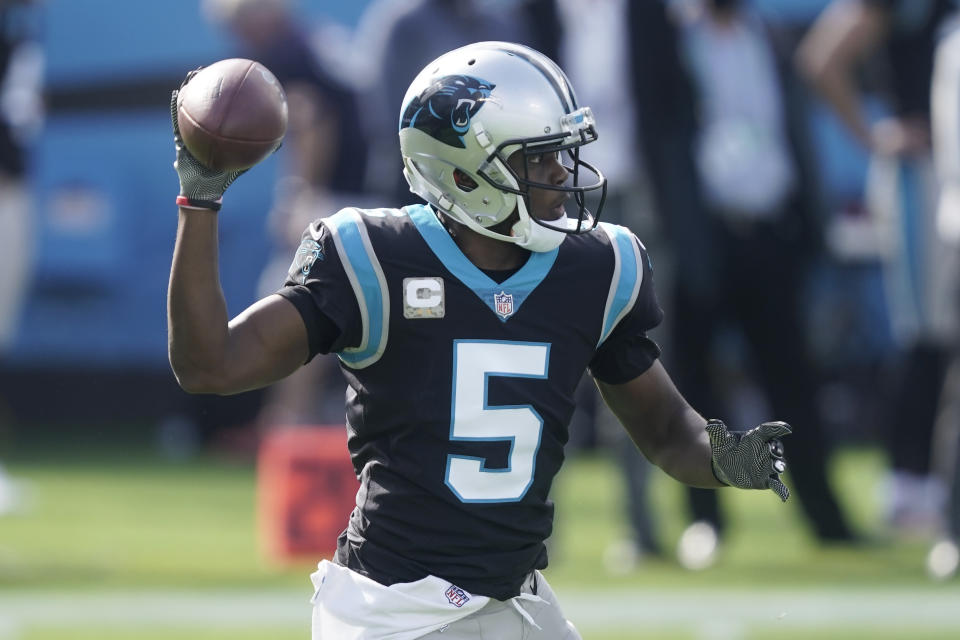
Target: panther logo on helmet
(444, 110)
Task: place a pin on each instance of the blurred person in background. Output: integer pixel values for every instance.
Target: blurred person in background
(21, 115)
(322, 167)
(399, 37)
(723, 132)
(594, 47)
(443, 316)
(901, 194)
(943, 559)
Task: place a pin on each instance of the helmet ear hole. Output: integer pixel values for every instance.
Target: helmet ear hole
(463, 181)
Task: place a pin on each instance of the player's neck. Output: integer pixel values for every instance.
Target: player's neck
(485, 252)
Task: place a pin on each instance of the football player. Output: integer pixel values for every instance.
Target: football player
(462, 326)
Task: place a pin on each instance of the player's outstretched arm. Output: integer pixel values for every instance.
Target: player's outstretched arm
(663, 425)
(695, 451)
(263, 344)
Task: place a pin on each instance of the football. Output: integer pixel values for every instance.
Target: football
(232, 114)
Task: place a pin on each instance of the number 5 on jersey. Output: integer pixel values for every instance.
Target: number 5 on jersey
(474, 362)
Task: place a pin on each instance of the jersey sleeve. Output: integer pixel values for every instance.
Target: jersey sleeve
(627, 351)
(319, 288)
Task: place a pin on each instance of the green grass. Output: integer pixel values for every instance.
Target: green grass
(768, 543)
(134, 525)
(126, 521)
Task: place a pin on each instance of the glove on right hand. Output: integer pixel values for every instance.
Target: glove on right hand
(749, 460)
(200, 187)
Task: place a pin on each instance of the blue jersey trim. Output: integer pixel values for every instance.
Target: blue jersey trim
(369, 286)
(626, 280)
(519, 285)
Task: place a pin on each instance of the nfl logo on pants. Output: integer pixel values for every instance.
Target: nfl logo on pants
(457, 596)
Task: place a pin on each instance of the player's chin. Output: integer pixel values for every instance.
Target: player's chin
(551, 214)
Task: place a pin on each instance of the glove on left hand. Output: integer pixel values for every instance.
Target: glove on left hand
(749, 460)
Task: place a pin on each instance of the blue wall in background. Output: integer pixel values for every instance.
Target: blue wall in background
(104, 190)
(88, 39)
(104, 187)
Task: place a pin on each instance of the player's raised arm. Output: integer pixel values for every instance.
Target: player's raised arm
(209, 355)
(701, 453)
(263, 344)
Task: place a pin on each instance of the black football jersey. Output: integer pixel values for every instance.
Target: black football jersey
(460, 388)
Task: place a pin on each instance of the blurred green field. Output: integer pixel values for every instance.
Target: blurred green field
(115, 542)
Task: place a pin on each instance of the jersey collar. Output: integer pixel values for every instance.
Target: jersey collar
(504, 299)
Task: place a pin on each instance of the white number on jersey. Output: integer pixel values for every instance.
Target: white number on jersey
(473, 419)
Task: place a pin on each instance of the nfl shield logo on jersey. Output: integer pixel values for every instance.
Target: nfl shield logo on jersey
(503, 302)
(457, 596)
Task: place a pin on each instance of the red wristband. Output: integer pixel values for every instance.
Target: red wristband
(208, 205)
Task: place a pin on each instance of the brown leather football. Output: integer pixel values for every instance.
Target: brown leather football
(232, 114)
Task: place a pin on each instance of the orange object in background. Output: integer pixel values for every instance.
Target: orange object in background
(306, 489)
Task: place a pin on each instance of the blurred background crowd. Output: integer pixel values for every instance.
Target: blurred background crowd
(775, 156)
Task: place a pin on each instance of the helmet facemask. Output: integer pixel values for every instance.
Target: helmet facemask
(578, 129)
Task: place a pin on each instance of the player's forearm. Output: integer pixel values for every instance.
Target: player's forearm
(684, 452)
(196, 310)
(669, 432)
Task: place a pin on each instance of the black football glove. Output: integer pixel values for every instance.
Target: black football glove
(751, 459)
(200, 187)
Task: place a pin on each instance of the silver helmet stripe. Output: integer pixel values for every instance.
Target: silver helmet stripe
(557, 78)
